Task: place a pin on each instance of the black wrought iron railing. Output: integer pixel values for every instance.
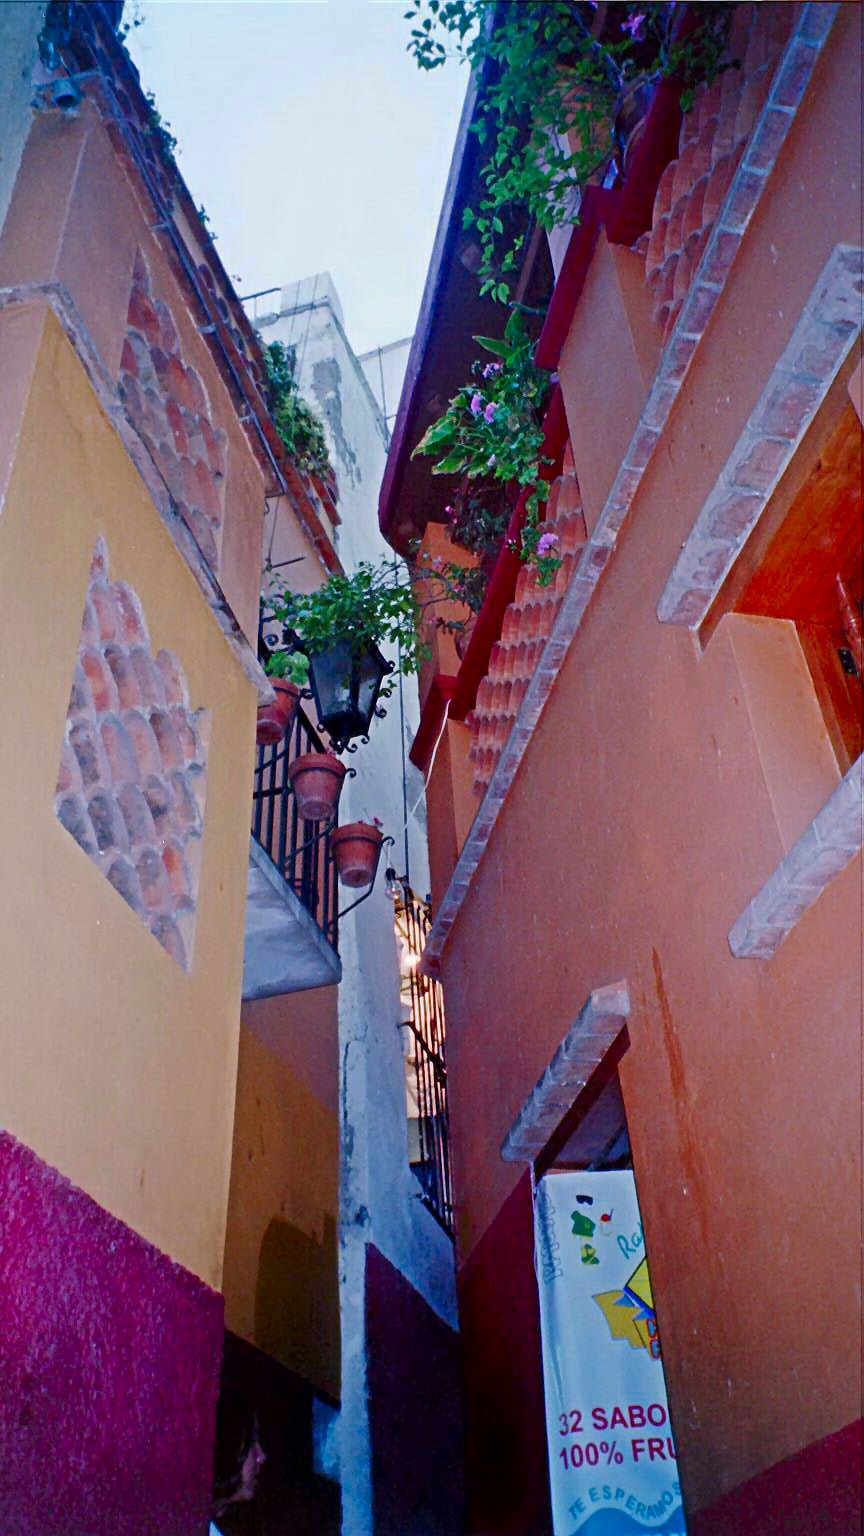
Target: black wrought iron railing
(301, 850)
(427, 1062)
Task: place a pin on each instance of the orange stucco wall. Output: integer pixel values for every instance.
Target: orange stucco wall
(281, 1272)
(119, 1066)
(660, 789)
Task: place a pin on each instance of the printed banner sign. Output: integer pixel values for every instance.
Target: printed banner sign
(612, 1465)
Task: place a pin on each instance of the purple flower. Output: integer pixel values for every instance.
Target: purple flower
(634, 25)
(491, 369)
(489, 413)
(476, 405)
(491, 461)
(450, 513)
(546, 542)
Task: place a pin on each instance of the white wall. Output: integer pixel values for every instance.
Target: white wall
(385, 372)
(20, 25)
(379, 1196)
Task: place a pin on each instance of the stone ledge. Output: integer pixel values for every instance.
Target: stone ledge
(574, 1063)
(828, 328)
(831, 841)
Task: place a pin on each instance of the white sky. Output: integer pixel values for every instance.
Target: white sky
(312, 139)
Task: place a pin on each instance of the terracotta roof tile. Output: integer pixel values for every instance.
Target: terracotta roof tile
(712, 140)
(527, 624)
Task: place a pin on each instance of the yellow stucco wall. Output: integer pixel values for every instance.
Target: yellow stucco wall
(280, 1278)
(118, 1067)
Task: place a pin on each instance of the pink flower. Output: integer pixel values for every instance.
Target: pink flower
(450, 512)
(476, 405)
(491, 369)
(546, 542)
(634, 25)
(437, 563)
(489, 413)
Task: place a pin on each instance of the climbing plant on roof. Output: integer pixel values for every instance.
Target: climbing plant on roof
(554, 71)
(301, 431)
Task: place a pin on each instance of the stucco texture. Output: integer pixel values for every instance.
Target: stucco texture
(644, 816)
(280, 1275)
(119, 1066)
(109, 1369)
(77, 212)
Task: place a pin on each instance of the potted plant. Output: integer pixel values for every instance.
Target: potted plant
(357, 849)
(336, 631)
(274, 720)
(316, 779)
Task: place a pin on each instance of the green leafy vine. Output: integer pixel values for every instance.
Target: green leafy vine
(492, 428)
(301, 431)
(555, 73)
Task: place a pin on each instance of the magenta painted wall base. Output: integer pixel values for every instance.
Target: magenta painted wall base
(818, 1492)
(415, 1410)
(109, 1369)
(506, 1460)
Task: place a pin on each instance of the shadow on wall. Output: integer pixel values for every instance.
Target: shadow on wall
(297, 1302)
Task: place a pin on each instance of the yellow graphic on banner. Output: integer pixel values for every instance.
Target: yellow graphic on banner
(629, 1313)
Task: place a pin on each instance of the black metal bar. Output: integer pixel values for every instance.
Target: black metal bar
(300, 850)
(427, 1057)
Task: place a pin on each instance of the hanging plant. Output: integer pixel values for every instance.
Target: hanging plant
(376, 606)
(478, 517)
(492, 429)
(558, 70)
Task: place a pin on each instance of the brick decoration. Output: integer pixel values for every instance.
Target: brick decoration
(167, 403)
(527, 625)
(574, 1063)
(132, 777)
(830, 324)
(714, 135)
(831, 841)
(813, 23)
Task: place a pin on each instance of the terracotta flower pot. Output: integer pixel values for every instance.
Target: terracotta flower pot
(274, 719)
(356, 849)
(316, 779)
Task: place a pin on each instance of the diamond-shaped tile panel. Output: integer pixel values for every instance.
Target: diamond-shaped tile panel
(167, 402)
(133, 769)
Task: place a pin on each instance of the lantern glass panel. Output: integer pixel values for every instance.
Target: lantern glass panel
(346, 688)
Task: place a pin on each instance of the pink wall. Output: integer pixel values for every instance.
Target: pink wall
(109, 1369)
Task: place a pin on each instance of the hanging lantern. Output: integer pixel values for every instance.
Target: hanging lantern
(346, 685)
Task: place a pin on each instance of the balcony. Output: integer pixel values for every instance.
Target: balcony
(291, 941)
